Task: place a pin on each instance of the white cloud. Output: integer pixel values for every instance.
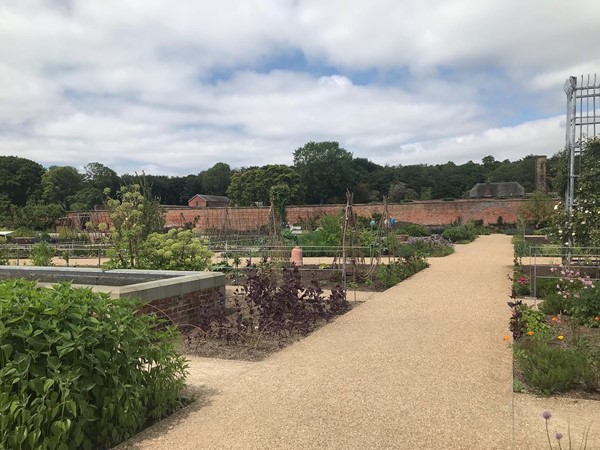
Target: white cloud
(176, 87)
(538, 137)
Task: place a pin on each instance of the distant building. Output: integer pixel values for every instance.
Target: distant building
(497, 190)
(208, 201)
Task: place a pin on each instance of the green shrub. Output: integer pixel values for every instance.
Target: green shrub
(555, 304)
(551, 370)
(67, 234)
(24, 232)
(545, 287)
(3, 253)
(42, 254)
(391, 274)
(175, 250)
(587, 306)
(460, 233)
(535, 320)
(521, 246)
(80, 370)
(425, 246)
(413, 229)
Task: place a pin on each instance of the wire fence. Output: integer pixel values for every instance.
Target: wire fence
(68, 254)
(585, 260)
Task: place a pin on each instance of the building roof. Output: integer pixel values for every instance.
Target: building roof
(503, 189)
(211, 198)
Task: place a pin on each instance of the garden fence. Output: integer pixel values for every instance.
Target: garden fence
(18, 253)
(586, 260)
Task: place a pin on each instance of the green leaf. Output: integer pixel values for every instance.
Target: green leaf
(7, 349)
(48, 384)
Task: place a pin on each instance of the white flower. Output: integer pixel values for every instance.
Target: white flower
(555, 207)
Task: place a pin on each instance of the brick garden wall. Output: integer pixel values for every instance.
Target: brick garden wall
(187, 308)
(431, 213)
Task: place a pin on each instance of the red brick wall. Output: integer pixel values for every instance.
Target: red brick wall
(435, 213)
(432, 212)
(187, 309)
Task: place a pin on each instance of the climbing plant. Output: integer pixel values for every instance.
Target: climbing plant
(583, 224)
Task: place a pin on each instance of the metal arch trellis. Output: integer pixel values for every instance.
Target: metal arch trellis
(583, 121)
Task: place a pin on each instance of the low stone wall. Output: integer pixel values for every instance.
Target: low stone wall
(186, 309)
(183, 297)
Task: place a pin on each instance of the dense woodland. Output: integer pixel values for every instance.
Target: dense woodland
(34, 196)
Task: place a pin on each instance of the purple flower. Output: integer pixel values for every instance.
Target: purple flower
(559, 435)
(546, 415)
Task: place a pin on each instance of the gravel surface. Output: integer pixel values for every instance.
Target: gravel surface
(419, 366)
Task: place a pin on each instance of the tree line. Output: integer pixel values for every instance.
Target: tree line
(322, 172)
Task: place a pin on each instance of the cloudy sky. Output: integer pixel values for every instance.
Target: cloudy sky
(172, 87)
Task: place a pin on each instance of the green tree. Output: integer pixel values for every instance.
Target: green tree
(558, 172)
(326, 170)
(521, 171)
(37, 216)
(134, 216)
(20, 180)
(60, 184)
(398, 191)
(216, 179)
(100, 177)
(538, 210)
(96, 179)
(253, 184)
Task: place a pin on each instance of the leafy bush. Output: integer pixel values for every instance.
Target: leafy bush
(3, 253)
(80, 370)
(521, 246)
(391, 274)
(42, 254)
(516, 323)
(587, 306)
(24, 232)
(460, 233)
(413, 229)
(431, 246)
(268, 306)
(67, 234)
(534, 320)
(556, 304)
(545, 287)
(549, 369)
(174, 250)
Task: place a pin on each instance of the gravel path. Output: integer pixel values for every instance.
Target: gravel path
(420, 366)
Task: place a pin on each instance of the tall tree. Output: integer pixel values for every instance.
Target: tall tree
(254, 184)
(96, 179)
(20, 180)
(101, 177)
(326, 170)
(59, 183)
(216, 179)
